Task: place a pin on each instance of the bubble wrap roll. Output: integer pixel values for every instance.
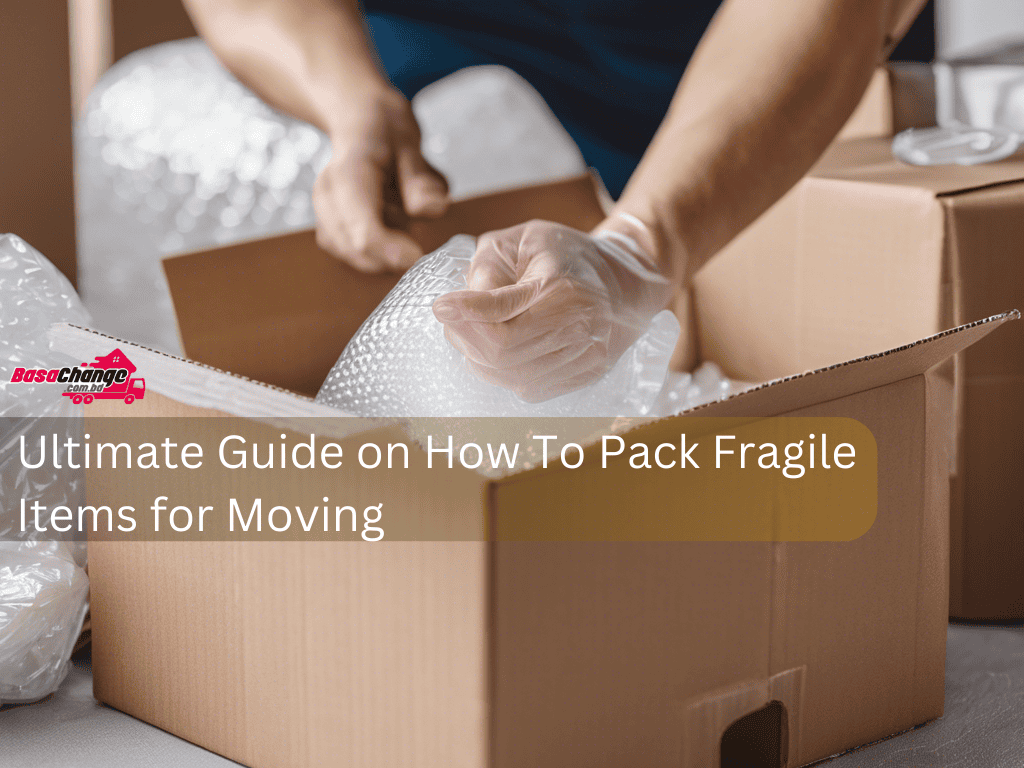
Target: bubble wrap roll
(400, 364)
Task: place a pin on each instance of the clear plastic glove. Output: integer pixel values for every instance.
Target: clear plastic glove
(550, 309)
(375, 180)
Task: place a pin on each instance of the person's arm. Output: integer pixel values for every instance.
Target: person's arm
(548, 309)
(312, 59)
(767, 90)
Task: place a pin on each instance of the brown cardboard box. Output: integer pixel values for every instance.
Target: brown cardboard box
(37, 198)
(136, 25)
(507, 653)
(867, 253)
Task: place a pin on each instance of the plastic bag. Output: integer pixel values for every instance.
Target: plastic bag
(43, 587)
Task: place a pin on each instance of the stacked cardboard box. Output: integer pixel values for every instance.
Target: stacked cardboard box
(867, 253)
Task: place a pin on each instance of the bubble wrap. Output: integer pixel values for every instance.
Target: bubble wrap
(173, 154)
(43, 597)
(42, 586)
(33, 296)
(400, 364)
(683, 391)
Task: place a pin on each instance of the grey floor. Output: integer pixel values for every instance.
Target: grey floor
(983, 726)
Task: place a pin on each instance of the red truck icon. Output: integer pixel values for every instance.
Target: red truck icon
(119, 386)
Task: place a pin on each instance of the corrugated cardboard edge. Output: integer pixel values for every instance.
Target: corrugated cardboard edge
(935, 349)
(189, 382)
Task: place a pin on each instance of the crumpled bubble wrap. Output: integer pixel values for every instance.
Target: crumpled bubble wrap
(399, 363)
(43, 588)
(33, 296)
(43, 596)
(173, 154)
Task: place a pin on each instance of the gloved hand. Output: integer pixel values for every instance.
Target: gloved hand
(375, 180)
(550, 309)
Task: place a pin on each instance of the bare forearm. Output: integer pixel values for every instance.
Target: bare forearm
(310, 58)
(768, 89)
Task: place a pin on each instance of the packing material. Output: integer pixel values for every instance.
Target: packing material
(290, 284)
(43, 585)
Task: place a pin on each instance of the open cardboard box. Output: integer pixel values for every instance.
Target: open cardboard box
(511, 653)
(867, 253)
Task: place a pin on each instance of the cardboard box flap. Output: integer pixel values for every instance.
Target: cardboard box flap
(781, 396)
(871, 160)
(280, 310)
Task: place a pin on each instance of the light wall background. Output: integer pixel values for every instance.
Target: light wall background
(975, 26)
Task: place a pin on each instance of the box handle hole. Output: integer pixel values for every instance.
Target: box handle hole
(757, 740)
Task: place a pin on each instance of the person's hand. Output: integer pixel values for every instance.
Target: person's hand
(375, 180)
(550, 309)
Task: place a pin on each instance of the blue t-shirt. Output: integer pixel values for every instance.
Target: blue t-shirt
(607, 68)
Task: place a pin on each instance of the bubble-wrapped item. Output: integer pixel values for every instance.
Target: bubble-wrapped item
(959, 145)
(43, 595)
(400, 364)
(173, 154)
(42, 584)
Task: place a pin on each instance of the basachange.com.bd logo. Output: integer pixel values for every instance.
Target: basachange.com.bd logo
(108, 378)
